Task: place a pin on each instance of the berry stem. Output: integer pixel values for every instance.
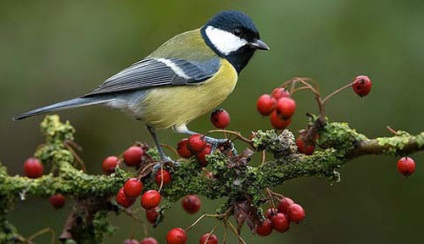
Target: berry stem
(269, 192)
(263, 156)
(132, 229)
(235, 133)
(145, 231)
(202, 217)
(335, 92)
(211, 232)
(224, 239)
(236, 232)
(170, 148)
(392, 130)
(70, 148)
(42, 232)
(161, 178)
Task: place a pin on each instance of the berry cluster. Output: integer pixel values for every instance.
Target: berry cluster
(195, 145)
(132, 188)
(279, 105)
(134, 156)
(279, 218)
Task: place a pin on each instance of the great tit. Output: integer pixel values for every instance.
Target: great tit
(186, 77)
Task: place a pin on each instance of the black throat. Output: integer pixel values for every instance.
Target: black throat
(239, 59)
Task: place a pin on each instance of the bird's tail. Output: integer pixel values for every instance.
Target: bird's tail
(73, 103)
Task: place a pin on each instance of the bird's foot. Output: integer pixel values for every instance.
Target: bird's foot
(165, 161)
(221, 142)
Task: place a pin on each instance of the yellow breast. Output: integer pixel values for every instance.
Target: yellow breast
(173, 106)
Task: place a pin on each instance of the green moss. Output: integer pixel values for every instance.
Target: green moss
(102, 226)
(420, 139)
(340, 137)
(234, 179)
(55, 131)
(393, 144)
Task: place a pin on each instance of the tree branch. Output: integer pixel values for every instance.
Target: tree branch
(233, 176)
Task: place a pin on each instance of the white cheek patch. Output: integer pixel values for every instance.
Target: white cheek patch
(224, 41)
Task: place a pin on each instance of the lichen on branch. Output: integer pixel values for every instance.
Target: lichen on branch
(235, 177)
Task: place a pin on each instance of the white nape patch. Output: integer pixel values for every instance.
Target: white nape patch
(224, 41)
(174, 68)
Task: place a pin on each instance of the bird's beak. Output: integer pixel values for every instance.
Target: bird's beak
(258, 44)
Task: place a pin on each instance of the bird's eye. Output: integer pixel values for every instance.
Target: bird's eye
(237, 32)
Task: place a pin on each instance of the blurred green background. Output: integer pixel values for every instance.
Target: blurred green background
(55, 50)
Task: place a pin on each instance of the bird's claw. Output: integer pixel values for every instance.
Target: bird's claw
(165, 160)
(217, 142)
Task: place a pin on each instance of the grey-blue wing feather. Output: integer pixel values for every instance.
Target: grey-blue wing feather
(153, 72)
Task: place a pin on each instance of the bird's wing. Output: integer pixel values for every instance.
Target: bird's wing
(155, 72)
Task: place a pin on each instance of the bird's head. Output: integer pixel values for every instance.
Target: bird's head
(234, 36)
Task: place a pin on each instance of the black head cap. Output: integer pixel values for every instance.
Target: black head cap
(242, 27)
(234, 21)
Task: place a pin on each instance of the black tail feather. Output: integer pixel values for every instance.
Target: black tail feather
(73, 103)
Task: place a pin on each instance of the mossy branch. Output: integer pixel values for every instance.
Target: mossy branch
(234, 177)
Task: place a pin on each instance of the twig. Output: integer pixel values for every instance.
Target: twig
(235, 133)
(335, 92)
(41, 232)
(201, 217)
(235, 232)
(170, 148)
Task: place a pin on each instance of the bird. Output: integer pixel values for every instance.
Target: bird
(184, 78)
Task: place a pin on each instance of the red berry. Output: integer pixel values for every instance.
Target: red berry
(208, 238)
(109, 164)
(264, 228)
(406, 166)
(182, 149)
(196, 143)
(149, 240)
(220, 118)
(133, 188)
(362, 85)
(265, 104)
(123, 200)
(304, 147)
(132, 156)
(280, 92)
(279, 123)
(191, 204)
(150, 199)
(131, 241)
(57, 201)
(176, 236)
(164, 176)
(271, 212)
(283, 206)
(280, 222)
(296, 213)
(152, 215)
(33, 168)
(202, 155)
(285, 107)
